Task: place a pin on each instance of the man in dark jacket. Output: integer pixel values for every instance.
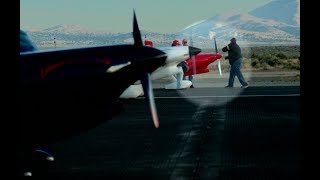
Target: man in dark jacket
(235, 59)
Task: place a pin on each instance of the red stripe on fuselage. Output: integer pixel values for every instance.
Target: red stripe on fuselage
(46, 70)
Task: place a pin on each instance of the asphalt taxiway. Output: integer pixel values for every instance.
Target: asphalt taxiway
(205, 133)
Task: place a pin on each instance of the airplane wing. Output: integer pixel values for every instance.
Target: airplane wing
(37, 65)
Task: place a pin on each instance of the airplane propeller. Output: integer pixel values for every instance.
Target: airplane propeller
(136, 32)
(193, 60)
(219, 64)
(148, 92)
(146, 79)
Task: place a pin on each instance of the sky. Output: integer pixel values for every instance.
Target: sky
(162, 16)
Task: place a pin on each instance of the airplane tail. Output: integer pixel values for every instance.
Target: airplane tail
(147, 42)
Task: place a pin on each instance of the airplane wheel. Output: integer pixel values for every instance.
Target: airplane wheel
(41, 162)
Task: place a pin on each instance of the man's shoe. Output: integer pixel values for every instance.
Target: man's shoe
(228, 86)
(245, 86)
(191, 86)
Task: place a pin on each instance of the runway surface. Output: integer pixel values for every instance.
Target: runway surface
(205, 133)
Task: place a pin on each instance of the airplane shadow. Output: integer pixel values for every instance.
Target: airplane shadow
(210, 138)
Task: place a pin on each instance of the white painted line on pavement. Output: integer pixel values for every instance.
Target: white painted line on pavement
(232, 96)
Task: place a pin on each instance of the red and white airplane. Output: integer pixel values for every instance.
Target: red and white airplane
(197, 63)
(201, 62)
(175, 55)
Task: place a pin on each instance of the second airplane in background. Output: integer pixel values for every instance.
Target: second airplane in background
(197, 64)
(175, 55)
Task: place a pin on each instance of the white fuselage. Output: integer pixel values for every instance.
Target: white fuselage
(175, 55)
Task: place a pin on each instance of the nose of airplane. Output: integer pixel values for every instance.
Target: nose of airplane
(218, 56)
(193, 51)
(152, 56)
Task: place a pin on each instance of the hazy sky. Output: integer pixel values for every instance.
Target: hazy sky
(116, 15)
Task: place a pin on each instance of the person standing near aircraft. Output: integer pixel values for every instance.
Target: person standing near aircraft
(185, 43)
(175, 43)
(235, 59)
(183, 65)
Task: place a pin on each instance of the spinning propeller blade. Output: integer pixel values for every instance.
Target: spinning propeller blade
(146, 80)
(193, 60)
(219, 65)
(136, 32)
(148, 92)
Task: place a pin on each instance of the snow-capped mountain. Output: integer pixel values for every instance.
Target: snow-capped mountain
(246, 28)
(277, 22)
(286, 11)
(268, 24)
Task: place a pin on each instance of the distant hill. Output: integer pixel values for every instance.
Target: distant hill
(76, 36)
(286, 11)
(275, 23)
